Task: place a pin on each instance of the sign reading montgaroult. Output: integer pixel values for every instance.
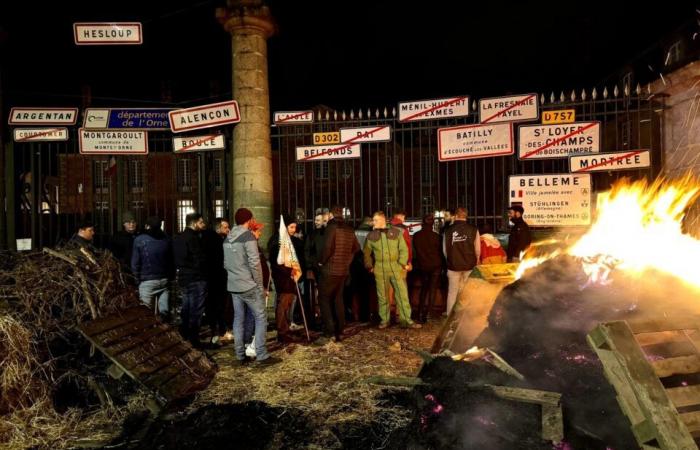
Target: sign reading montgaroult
(113, 142)
(107, 33)
(475, 141)
(43, 116)
(558, 141)
(553, 200)
(293, 117)
(516, 108)
(40, 134)
(310, 153)
(603, 162)
(206, 116)
(433, 109)
(136, 118)
(183, 144)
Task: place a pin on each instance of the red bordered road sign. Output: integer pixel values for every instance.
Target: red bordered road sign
(43, 116)
(310, 153)
(40, 134)
(205, 116)
(513, 108)
(475, 141)
(113, 142)
(184, 144)
(603, 162)
(292, 117)
(558, 141)
(366, 134)
(433, 109)
(107, 33)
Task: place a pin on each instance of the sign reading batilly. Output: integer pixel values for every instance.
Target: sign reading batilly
(553, 200)
(113, 142)
(206, 116)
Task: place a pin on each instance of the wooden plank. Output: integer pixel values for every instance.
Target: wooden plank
(159, 332)
(687, 322)
(138, 326)
(659, 337)
(527, 395)
(552, 423)
(188, 381)
(684, 395)
(680, 365)
(134, 357)
(669, 350)
(692, 421)
(100, 325)
(161, 360)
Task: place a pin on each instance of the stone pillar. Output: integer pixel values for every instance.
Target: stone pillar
(250, 183)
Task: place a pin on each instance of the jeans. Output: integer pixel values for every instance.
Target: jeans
(255, 301)
(193, 295)
(456, 280)
(152, 290)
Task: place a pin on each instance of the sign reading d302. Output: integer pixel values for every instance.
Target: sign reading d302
(331, 137)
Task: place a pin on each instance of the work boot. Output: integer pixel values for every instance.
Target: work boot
(383, 325)
(267, 361)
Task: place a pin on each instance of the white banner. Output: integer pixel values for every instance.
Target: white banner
(633, 159)
(183, 144)
(206, 116)
(311, 153)
(516, 108)
(292, 117)
(558, 141)
(40, 134)
(553, 200)
(43, 116)
(381, 133)
(114, 33)
(113, 142)
(433, 109)
(475, 141)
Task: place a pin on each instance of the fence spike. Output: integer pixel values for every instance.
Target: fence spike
(328, 116)
(638, 89)
(359, 113)
(393, 112)
(616, 91)
(562, 97)
(369, 113)
(318, 116)
(335, 115)
(573, 96)
(584, 96)
(473, 105)
(386, 113)
(343, 115)
(352, 114)
(542, 99)
(605, 92)
(376, 113)
(594, 94)
(649, 88)
(626, 90)
(551, 97)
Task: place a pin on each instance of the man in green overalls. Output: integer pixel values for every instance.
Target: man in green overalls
(386, 255)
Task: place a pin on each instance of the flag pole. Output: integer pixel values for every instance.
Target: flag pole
(303, 315)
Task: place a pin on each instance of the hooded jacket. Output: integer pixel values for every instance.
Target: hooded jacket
(242, 261)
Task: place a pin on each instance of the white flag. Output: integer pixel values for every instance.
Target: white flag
(287, 256)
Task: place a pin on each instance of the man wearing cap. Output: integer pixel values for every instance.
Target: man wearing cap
(152, 266)
(519, 238)
(245, 283)
(121, 245)
(83, 237)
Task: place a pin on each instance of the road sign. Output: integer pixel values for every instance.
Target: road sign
(441, 108)
(206, 116)
(311, 153)
(43, 116)
(40, 134)
(107, 33)
(558, 141)
(381, 133)
(293, 117)
(332, 137)
(139, 118)
(113, 142)
(514, 108)
(559, 116)
(603, 162)
(184, 144)
(553, 200)
(475, 141)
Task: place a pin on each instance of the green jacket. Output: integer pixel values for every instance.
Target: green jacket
(385, 247)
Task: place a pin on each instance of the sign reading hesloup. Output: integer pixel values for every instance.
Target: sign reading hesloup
(433, 109)
(40, 134)
(206, 116)
(113, 142)
(310, 153)
(553, 200)
(43, 116)
(107, 33)
(143, 118)
(475, 141)
(182, 144)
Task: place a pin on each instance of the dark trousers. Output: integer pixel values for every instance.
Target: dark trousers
(429, 284)
(193, 296)
(284, 303)
(330, 299)
(217, 298)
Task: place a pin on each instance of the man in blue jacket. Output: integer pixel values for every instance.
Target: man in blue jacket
(151, 264)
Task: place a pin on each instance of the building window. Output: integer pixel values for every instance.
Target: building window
(347, 169)
(674, 54)
(101, 177)
(219, 175)
(136, 175)
(184, 207)
(184, 175)
(299, 171)
(426, 169)
(428, 204)
(219, 208)
(321, 170)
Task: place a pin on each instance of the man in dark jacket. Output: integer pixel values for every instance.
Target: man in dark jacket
(313, 248)
(83, 239)
(152, 266)
(213, 240)
(519, 239)
(339, 248)
(285, 285)
(190, 262)
(121, 245)
(462, 247)
(427, 262)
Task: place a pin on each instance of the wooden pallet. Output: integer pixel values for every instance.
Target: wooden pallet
(150, 352)
(654, 367)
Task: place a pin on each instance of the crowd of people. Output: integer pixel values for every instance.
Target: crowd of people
(224, 280)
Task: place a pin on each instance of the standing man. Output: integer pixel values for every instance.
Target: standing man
(285, 285)
(339, 248)
(386, 255)
(428, 262)
(519, 239)
(313, 249)
(462, 247)
(447, 221)
(83, 238)
(152, 266)
(245, 283)
(213, 240)
(397, 221)
(121, 245)
(191, 265)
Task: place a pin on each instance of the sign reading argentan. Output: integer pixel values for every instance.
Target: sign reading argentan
(310, 153)
(515, 108)
(114, 33)
(182, 144)
(293, 117)
(475, 141)
(40, 134)
(433, 109)
(558, 141)
(43, 116)
(634, 159)
(113, 142)
(207, 116)
(553, 200)
(356, 135)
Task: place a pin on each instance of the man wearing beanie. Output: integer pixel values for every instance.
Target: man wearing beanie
(122, 243)
(285, 286)
(151, 264)
(245, 283)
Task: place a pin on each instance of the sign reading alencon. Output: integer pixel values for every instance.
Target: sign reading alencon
(135, 118)
(515, 108)
(475, 141)
(434, 109)
(357, 135)
(311, 153)
(40, 134)
(113, 142)
(107, 33)
(558, 141)
(43, 116)
(292, 117)
(553, 200)
(207, 116)
(183, 144)
(633, 159)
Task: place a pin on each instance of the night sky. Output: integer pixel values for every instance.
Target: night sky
(341, 54)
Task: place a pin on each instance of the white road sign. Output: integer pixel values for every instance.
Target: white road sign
(553, 200)
(311, 153)
(381, 133)
(40, 134)
(603, 162)
(183, 144)
(292, 117)
(107, 33)
(434, 109)
(206, 116)
(475, 141)
(43, 116)
(515, 108)
(559, 140)
(113, 142)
